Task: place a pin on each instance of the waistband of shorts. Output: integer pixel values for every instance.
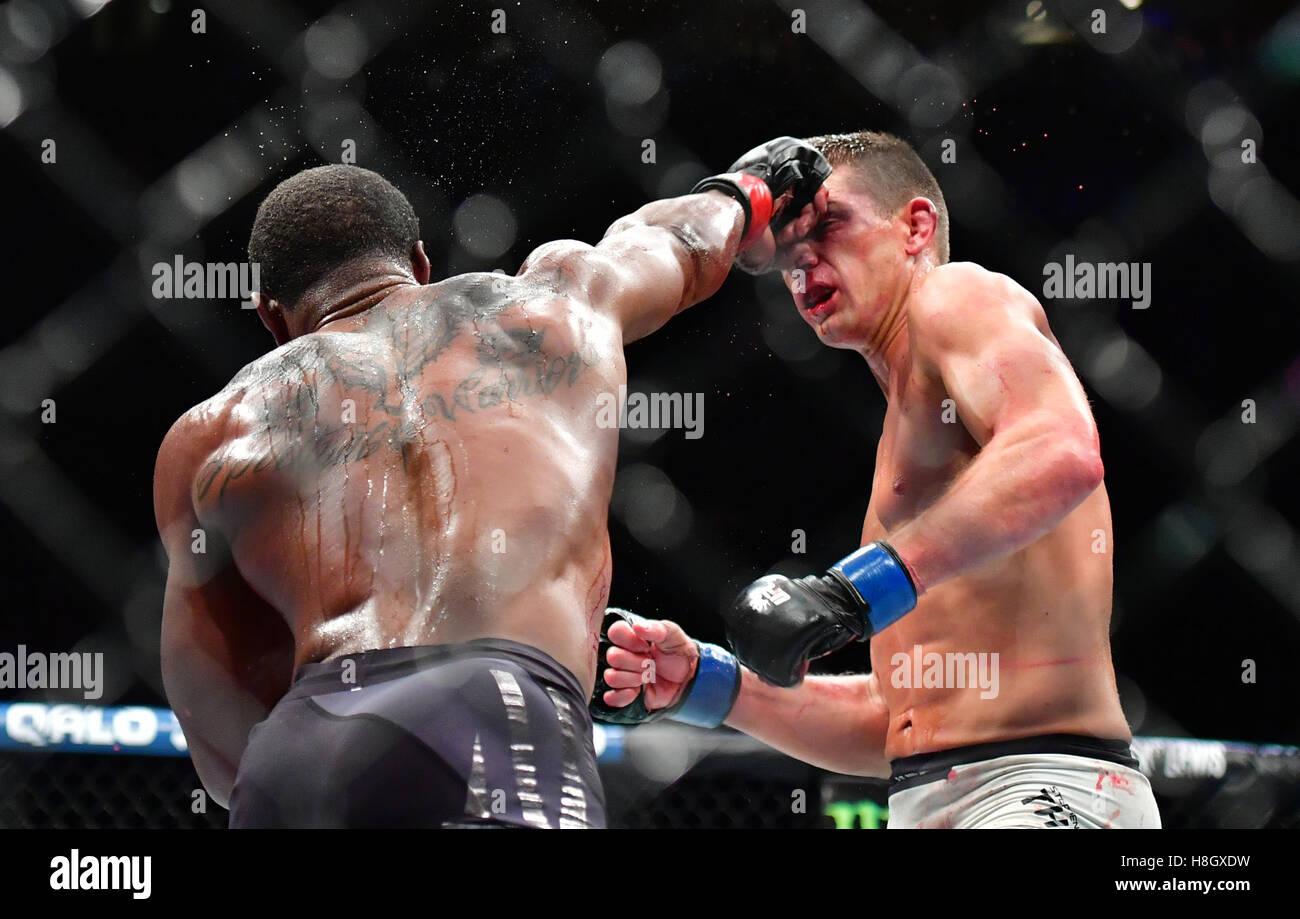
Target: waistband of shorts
(909, 771)
(384, 664)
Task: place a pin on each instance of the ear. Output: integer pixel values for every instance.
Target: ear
(272, 316)
(922, 219)
(420, 263)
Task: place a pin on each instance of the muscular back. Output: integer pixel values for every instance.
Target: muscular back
(428, 471)
(423, 466)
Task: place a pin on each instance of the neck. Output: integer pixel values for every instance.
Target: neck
(887, 352)
(886, 349)
(355, 299)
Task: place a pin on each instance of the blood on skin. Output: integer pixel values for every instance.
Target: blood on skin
(1034, 665)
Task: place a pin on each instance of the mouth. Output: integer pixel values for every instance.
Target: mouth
(821, 303)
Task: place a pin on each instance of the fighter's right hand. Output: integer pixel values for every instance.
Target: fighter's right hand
(773, 183)
(651, 669)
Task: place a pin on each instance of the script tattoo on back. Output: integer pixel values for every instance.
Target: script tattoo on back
(293, 432)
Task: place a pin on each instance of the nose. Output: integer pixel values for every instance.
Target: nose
(800, 257)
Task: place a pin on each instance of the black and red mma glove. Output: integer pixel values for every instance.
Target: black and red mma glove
(760, 178)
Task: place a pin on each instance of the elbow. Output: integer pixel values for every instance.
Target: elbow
(217, 776)
(1075, 469)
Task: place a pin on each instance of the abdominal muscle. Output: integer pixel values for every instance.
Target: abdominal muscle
(1018, 647)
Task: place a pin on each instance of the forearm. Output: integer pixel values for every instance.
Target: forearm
(1012, 494)
(678, 251)
(833, 722)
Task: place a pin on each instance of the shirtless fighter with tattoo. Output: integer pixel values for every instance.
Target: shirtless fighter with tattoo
(986, 510)
(393, 615)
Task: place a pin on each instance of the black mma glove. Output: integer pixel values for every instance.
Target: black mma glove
(777, 625)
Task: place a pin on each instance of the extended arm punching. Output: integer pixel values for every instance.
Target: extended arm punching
(673, 253)
(651, 669)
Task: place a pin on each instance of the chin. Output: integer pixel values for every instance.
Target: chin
(831, 336)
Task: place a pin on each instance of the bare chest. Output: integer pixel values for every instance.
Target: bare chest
(923, 447)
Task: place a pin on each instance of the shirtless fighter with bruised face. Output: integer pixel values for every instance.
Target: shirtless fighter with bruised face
(395, 617)
(986, 503)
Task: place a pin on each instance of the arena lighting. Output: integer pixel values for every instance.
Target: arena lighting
(88, 8)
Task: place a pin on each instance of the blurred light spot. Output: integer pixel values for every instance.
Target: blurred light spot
(160, 6)
(335, 47)
(680, 178)
(630, 73)
(1130, 4)
(849, 30)
(1123, 29)
(484, 226)
(655, 513)
(788, 341)
(929, 95)
(882, 69)
(24, 379)
(638, 120)
(1202, 100)
(1125, 374)
(1225, 125)
(774, 297)
(1280, 51)
(642, 436)
(1260, 541)
(1183, 534)
(1270, 217)
(662, 762)
(89, 8)
(64, 344)
(31, 26)
(1227, 174)
(199, 183)
(1226, 452)
(11, 98)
